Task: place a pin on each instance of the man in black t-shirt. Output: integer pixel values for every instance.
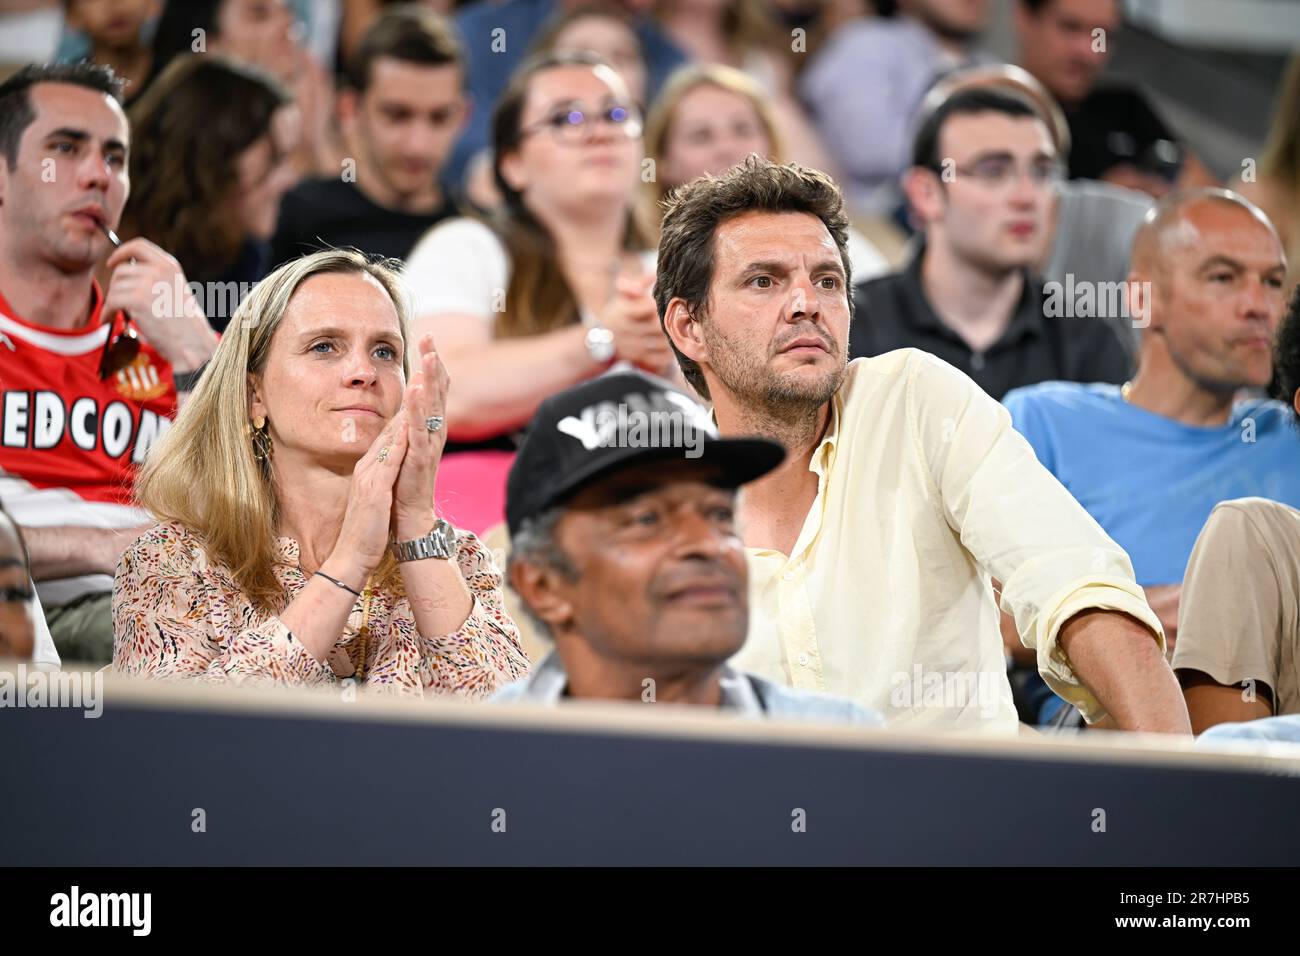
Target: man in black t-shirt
(983, 170)
(1116, 134)
(401, 111)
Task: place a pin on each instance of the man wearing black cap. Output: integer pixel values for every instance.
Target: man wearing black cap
(621, 508)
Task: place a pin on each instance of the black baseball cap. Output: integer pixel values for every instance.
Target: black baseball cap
(617, 420)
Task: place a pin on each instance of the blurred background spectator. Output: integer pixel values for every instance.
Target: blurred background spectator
(865, 84)
(498, 36)
(263, 34)
(209, 166)
(744, 34)
(400, 111)
(1150, 459)
(1090, 225)
(983, 170)
(82, 394)
(1273, 184)
(555, 289)
(605, 30)
(114, 33)
(706, 120)
(1117, 136)
(1238, 654)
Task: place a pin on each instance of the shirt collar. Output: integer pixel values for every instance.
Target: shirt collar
(94, 317)
(823, 456)
(1026, 319)
(548, 681)
(738, 693)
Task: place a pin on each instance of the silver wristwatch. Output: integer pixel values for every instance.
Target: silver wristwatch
(438, 543)
(600, 343)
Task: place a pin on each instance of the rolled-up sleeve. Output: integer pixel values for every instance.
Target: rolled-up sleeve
(1020, 523)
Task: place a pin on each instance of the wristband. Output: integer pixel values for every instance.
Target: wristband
(336, 581)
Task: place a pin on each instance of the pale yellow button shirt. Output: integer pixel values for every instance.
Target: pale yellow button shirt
(924, 492)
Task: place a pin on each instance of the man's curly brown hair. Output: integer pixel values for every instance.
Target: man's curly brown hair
(694, 212)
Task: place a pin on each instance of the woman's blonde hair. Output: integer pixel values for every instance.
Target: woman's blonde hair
(659, 121)
(1280, 157)
(203, 473)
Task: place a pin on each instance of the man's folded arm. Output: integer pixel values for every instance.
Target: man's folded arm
(66, 551)
(1069, 587)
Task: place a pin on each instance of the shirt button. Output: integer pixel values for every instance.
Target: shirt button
(977, 361)
(803, 660)
(788, 576)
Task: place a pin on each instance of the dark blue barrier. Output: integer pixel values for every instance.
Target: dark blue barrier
(300, 779)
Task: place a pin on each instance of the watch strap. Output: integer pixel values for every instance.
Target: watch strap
(438, 543)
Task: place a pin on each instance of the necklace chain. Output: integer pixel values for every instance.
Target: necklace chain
(363, 634)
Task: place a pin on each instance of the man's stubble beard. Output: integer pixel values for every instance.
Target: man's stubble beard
(764, 394)
(1224, 385)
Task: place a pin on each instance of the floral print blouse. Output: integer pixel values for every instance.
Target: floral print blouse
(178, 615)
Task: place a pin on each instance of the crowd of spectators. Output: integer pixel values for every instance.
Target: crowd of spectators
(321, 325)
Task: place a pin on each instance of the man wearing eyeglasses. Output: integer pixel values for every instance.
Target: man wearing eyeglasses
(980, 187)
(83, 394)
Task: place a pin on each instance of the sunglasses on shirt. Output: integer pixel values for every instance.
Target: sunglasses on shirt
(120, 348)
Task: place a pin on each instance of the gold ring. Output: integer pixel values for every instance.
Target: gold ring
(383, 454)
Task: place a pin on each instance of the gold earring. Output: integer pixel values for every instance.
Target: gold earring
(261, 439)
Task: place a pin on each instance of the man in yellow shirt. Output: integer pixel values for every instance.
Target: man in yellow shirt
(905, 492)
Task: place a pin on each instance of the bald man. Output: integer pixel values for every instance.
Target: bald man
(1150, 459)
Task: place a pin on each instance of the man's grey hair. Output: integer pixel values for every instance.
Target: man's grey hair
(535, 543)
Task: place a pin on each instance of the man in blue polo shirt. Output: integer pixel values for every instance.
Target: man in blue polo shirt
(1150, 459)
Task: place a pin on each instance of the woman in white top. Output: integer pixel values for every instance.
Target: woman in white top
(556, 289)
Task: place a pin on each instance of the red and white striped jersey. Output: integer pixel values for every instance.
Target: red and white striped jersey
(70, 443)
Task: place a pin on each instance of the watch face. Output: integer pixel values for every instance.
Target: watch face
(445, 536)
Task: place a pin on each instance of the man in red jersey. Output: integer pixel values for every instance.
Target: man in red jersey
(78, 408)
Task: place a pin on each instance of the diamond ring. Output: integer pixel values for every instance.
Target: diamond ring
(433, 423)
(383, 454)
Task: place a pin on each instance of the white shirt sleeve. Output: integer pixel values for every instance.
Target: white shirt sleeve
(43, 650)
(458, 267)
